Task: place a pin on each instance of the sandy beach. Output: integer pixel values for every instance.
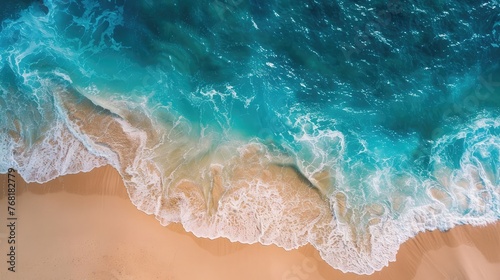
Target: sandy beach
(84, 226)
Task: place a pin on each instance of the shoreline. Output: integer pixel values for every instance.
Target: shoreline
(87, 227)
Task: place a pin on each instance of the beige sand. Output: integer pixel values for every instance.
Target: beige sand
(84, 227)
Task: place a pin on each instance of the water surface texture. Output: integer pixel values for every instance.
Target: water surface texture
(350, 125)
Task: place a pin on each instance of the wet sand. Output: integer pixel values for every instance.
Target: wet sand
(84, 226)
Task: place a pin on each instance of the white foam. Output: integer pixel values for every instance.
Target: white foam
(59, 153)
(251, 215)
(260, 208)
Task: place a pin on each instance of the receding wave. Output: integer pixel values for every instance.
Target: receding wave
(235, 133)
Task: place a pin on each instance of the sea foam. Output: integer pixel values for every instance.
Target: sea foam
(243, 190)
(236, 133)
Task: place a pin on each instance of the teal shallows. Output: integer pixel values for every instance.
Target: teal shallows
(273, 71)
(391, 95)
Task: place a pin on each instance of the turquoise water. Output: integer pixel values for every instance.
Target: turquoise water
(392, 105)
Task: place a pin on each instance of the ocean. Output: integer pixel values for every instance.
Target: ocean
(349, 125)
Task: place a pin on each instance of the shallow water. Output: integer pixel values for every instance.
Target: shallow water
(350, 126)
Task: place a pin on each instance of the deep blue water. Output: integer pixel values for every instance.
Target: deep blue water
(388, 97)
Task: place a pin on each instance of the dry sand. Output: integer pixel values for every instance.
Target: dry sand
(84, 226)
